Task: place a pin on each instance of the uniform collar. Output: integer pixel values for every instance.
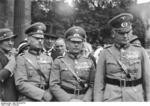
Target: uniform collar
(118, 46)
(35, 51)
(73, 56)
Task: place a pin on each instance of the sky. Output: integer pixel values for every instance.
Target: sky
(139, 1)
(142, 1)
(69, 2)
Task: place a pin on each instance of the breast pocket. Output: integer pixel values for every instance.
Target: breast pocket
(112, 66)
(65, 73)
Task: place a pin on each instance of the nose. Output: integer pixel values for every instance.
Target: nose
(40, 39)
(126, 35)
(11, 42)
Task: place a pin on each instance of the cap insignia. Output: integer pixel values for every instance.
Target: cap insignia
(39, 31)
(124, 24)
(76, 35)
(76, 30)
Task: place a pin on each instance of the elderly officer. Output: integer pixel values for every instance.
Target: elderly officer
(123, 70)
(7, 65)
(72, 75)
(33, 67)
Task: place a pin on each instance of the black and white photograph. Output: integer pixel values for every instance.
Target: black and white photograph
(74, 51)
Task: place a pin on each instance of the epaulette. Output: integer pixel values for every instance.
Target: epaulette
(59, 57)
(108, 46)
(136, 45)
(21, 54)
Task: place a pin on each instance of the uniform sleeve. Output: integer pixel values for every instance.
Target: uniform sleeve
(55, 88)
(22, 84)
(4, 73)
(146, 74)
(99, 78)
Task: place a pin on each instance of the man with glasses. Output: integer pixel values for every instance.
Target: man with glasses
(123, 70)
(33, 67)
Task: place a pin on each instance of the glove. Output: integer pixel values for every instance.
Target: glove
(11, 65)
(47, 96)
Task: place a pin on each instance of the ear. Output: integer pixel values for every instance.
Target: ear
(66, 42)
(28, 39)
(112, 33)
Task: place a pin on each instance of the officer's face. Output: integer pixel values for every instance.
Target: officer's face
(7, 44)
(74, 46)
(121, 37)
(48, 42)
(36, 41)
(60, 46)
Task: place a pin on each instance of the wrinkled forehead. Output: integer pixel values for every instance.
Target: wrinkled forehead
(60, 42)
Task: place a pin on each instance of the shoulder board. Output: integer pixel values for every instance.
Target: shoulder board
(136, 45)
(107, 46)
(59, 57)
(21, 54)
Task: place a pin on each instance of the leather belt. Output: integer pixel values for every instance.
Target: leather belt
(74, 91)
(123, 82)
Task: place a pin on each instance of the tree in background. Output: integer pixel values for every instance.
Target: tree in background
(92, 15)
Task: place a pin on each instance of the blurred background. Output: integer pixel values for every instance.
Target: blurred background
(59, 15)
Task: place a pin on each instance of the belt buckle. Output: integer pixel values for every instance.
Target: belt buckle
(77, 91)
(122, 83)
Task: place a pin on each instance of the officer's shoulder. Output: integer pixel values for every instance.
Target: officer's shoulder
(21, 54)
(136, 45)
(108, 46)
(59, 58)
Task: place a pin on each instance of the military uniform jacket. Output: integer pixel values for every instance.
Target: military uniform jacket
(27, 78)
(138, 65)
(61, 76)
(7, 87)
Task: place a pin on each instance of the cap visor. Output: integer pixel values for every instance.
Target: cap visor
(123, 29)
(12, 36)
(38, 35)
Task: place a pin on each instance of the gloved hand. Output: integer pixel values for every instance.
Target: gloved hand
(11, 65)
(47, 96)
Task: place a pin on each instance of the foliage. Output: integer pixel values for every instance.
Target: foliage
(92, 15)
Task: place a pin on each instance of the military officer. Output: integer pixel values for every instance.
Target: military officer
(123, 69)
(33, 67)
(7, 65)
(71, 77)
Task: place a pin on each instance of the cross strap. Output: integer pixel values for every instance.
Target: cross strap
(37, 69)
